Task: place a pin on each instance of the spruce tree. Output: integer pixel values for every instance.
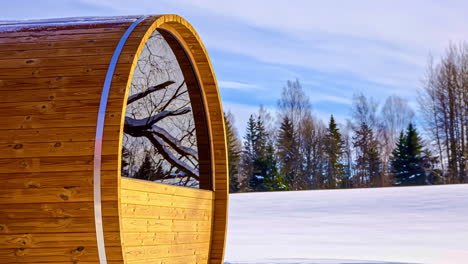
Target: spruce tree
(416, 175)
(334, 151)
(146, 170)
(399, 159)
(407, 161)
(234, 151)
(260, 162)
(288, 153)
(247, 161)
(259, 159)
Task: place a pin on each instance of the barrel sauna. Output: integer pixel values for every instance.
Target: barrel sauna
(89, 171)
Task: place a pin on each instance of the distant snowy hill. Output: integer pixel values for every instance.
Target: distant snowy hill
(370, 226)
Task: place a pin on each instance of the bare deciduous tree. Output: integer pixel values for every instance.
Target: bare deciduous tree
(395, 116)
(159, 131)
(444, 104)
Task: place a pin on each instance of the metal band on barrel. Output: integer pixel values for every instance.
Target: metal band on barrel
(98, 142)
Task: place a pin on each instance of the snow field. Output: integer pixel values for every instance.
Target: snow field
(427, 224)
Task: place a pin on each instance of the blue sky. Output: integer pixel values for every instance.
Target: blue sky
(335, 48)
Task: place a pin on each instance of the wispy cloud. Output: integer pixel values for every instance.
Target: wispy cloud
(237, 85)
(321, 97)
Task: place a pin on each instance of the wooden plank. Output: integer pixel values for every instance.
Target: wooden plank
(74, 163)
(153, 187)
(131, 225)
(53, 240)
(41, 84)
(54, 30)
(51, 53)
(55, 225)
(66, 44)
(190, 226)
(60, 94)
(47, 180)
(53, 255)
(64, 61)
(55, 210)
(148, 238)
(165, 238)
(149, 252)
(54, 149)
(51, 38)
(57, 71)
(75, 120)
(186, 202)
(147, 211)
(56, 107)
(56, 179)
(163, 200)
(63, 134)
(171, 260)
(52, 195)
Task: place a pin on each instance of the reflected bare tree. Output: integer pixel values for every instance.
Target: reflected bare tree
(159, 132)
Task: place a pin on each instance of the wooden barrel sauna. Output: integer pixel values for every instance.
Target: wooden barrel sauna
(71, 107)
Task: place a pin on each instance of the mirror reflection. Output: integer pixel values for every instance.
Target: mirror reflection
(159, 142)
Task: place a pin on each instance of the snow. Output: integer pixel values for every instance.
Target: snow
(32, 24)
(426, 224)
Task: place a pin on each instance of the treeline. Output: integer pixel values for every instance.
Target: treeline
(379, 145)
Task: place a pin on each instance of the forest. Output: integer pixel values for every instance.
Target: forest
(379, 145)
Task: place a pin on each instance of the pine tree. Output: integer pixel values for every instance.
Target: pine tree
(275, 181)
(288, 154)
(399, 159)
(407, 162)
(260, 162)
(234, 152)
(146, 170)
(247, 160)
(414, 155)
(334, 151)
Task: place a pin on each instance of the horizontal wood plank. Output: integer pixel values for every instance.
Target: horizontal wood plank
(153, 187)
(53, 240)
(62, 134)
(55, 210)
(55, 225)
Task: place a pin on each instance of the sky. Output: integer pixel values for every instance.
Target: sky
(335, 48)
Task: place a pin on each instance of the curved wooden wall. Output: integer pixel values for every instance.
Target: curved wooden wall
(51, 82)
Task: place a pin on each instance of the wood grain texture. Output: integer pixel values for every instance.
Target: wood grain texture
(50, 88)
(51, 80)
(167, 221)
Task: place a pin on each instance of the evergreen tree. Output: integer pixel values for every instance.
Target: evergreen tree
(260, 161)
(288, 154)
(275, 181)
(146, 170)
(247, 161)
(414, 155)
(407, 162)
(258, 158)
(334, 151)
(234, 151)
(399, 159)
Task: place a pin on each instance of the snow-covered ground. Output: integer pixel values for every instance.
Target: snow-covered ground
(374, 226)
